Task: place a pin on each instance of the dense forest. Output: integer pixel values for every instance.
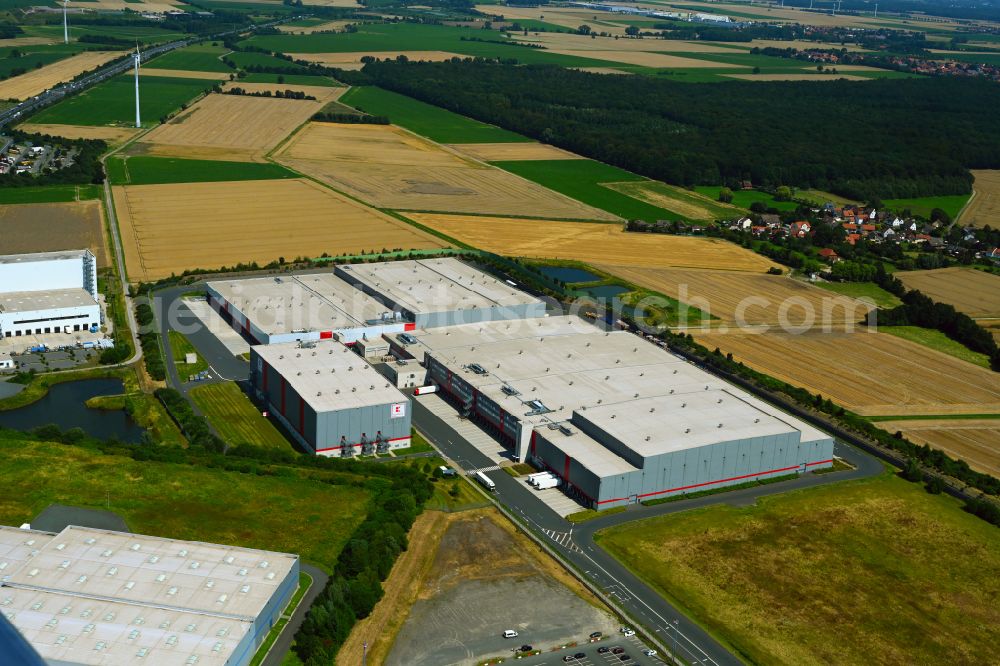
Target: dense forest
(890, 138)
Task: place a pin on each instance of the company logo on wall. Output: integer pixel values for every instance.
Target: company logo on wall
(398, 410)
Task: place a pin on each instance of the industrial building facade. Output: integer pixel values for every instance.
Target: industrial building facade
(329, 398)
(89, 596)
(48, 292)
(618, 419)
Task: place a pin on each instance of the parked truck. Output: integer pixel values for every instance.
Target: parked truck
(545, 478)
(424, 390)
(486, 482)
(545, 484)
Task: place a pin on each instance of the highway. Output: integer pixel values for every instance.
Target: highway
(668, 627)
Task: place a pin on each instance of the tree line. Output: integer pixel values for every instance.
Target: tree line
(889, 138)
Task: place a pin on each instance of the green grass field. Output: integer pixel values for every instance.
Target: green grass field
(880, 296)
(180, 347)
(427, 120)
(113, 102)
(935, 339)
(294, 79)
(923, 206)
(581, 179)
(746, 198)
(196, 58)
(147, 170)
(835, 574)
(144, 34)
(289, 513)
(231, 413)
(248, 58)
(686, 199)
(419, 37)
(49, 194)
(29, 61)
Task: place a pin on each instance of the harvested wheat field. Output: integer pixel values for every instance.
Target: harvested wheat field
(973, 292)
(575, 42)
(691, 205)
(739, 298)
(873, 374)
(976, 441)
(352, 60)
(647, 59)
(329, 26)
(389, 167)
(514, 151)
(592, 243)
(37, 80)
(47, 227)
(603, 70)
(183, 74)
(806, 76)
(805, 44)
(984, 207)
(235, 127)
(321, 93)
(171, 228)
(112, 135)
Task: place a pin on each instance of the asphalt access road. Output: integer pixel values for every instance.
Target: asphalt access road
(576, 542)
(284, 642)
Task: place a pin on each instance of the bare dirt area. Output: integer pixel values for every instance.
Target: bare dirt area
(976, 293)
(321, 93)
(872, 374)
(113, 135)
(37, 80)
(389, 167)
(976, 441)
(815, 76)
(183, 74)
(984, 208)
(352, 60)
(64, 226)
(592, 243)
(171, 228)
(739, 298)
(486, 577)
(523, 151)
(238, 127)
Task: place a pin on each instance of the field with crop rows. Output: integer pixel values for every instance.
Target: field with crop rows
(235, 417)
(976, 441)
(985, 205)
(869, 373)
(47, 227)
(973, 292)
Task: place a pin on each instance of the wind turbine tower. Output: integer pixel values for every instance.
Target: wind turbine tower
(876, 10)
(65, 23)
(137, 57)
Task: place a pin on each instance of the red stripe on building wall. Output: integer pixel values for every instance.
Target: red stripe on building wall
(409, 327)
(533, 436)
(819, 462)
(283, 384)
(709, 483)
(333, 448)
(325, 335)
(566, 468)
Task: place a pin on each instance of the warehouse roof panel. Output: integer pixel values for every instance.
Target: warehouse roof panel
(18, 546)
(31, 301)
(42, 256)
(437, 285)
(328, 375)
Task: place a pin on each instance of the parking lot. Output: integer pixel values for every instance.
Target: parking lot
(630, 647)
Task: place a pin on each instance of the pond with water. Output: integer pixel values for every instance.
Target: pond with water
(568, 274)
(65, 406)
(606, 291)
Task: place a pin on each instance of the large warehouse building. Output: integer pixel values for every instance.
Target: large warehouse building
(329, 398)
(302, 308)
(441, 292)
(618, 419)
(88, 596)
(48, 292)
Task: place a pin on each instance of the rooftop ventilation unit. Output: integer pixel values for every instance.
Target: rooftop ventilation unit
(478, 369)
(565, 430)
(510, 390)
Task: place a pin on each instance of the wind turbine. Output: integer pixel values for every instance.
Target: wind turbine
(137, 57)
(65, 23)
(876, 10)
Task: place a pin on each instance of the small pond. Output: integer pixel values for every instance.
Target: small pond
(568, 274)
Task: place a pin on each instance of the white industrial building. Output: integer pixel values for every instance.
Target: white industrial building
(329, 398)
(48, 292)
(89, 596)
(617, 418)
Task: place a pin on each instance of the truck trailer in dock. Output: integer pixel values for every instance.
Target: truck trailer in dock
(485, 481)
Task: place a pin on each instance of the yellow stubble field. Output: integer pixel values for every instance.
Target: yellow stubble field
(973, 292)
(750, 299)
(229, 127)
(113, 135)
(352, 59)
(872, 374)
(984, 208)
(513, 151)
(171, 228)
(389, 167)
(37, 80)
(976, 441)
(591, 243)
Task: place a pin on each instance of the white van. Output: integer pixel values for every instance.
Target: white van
(509, 633)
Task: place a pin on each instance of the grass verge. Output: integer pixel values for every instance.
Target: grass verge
(868, 290)
(235, 418)
(180, 347)
(935, 339)
(147, 170)
(588, 514)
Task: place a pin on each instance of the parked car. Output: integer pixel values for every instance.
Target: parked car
(624, 657)
(527, 648)
(569, 657)
(580, 655)
(509, 633)
(596, 634)
(649, 653)
(618, 650)
(628, 632)
(604, 649)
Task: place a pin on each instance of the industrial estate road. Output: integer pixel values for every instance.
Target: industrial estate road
(575, 543)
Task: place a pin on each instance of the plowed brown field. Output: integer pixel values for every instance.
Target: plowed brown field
(391, 168)
(872, 374)
(35, 81)
(48, 227)
(973, 292)
(235, 127)
(976, 441)
(170, 228)
(738, 298)
(592, 243)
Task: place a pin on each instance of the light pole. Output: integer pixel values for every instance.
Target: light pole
(364, 654)
(677, 639)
